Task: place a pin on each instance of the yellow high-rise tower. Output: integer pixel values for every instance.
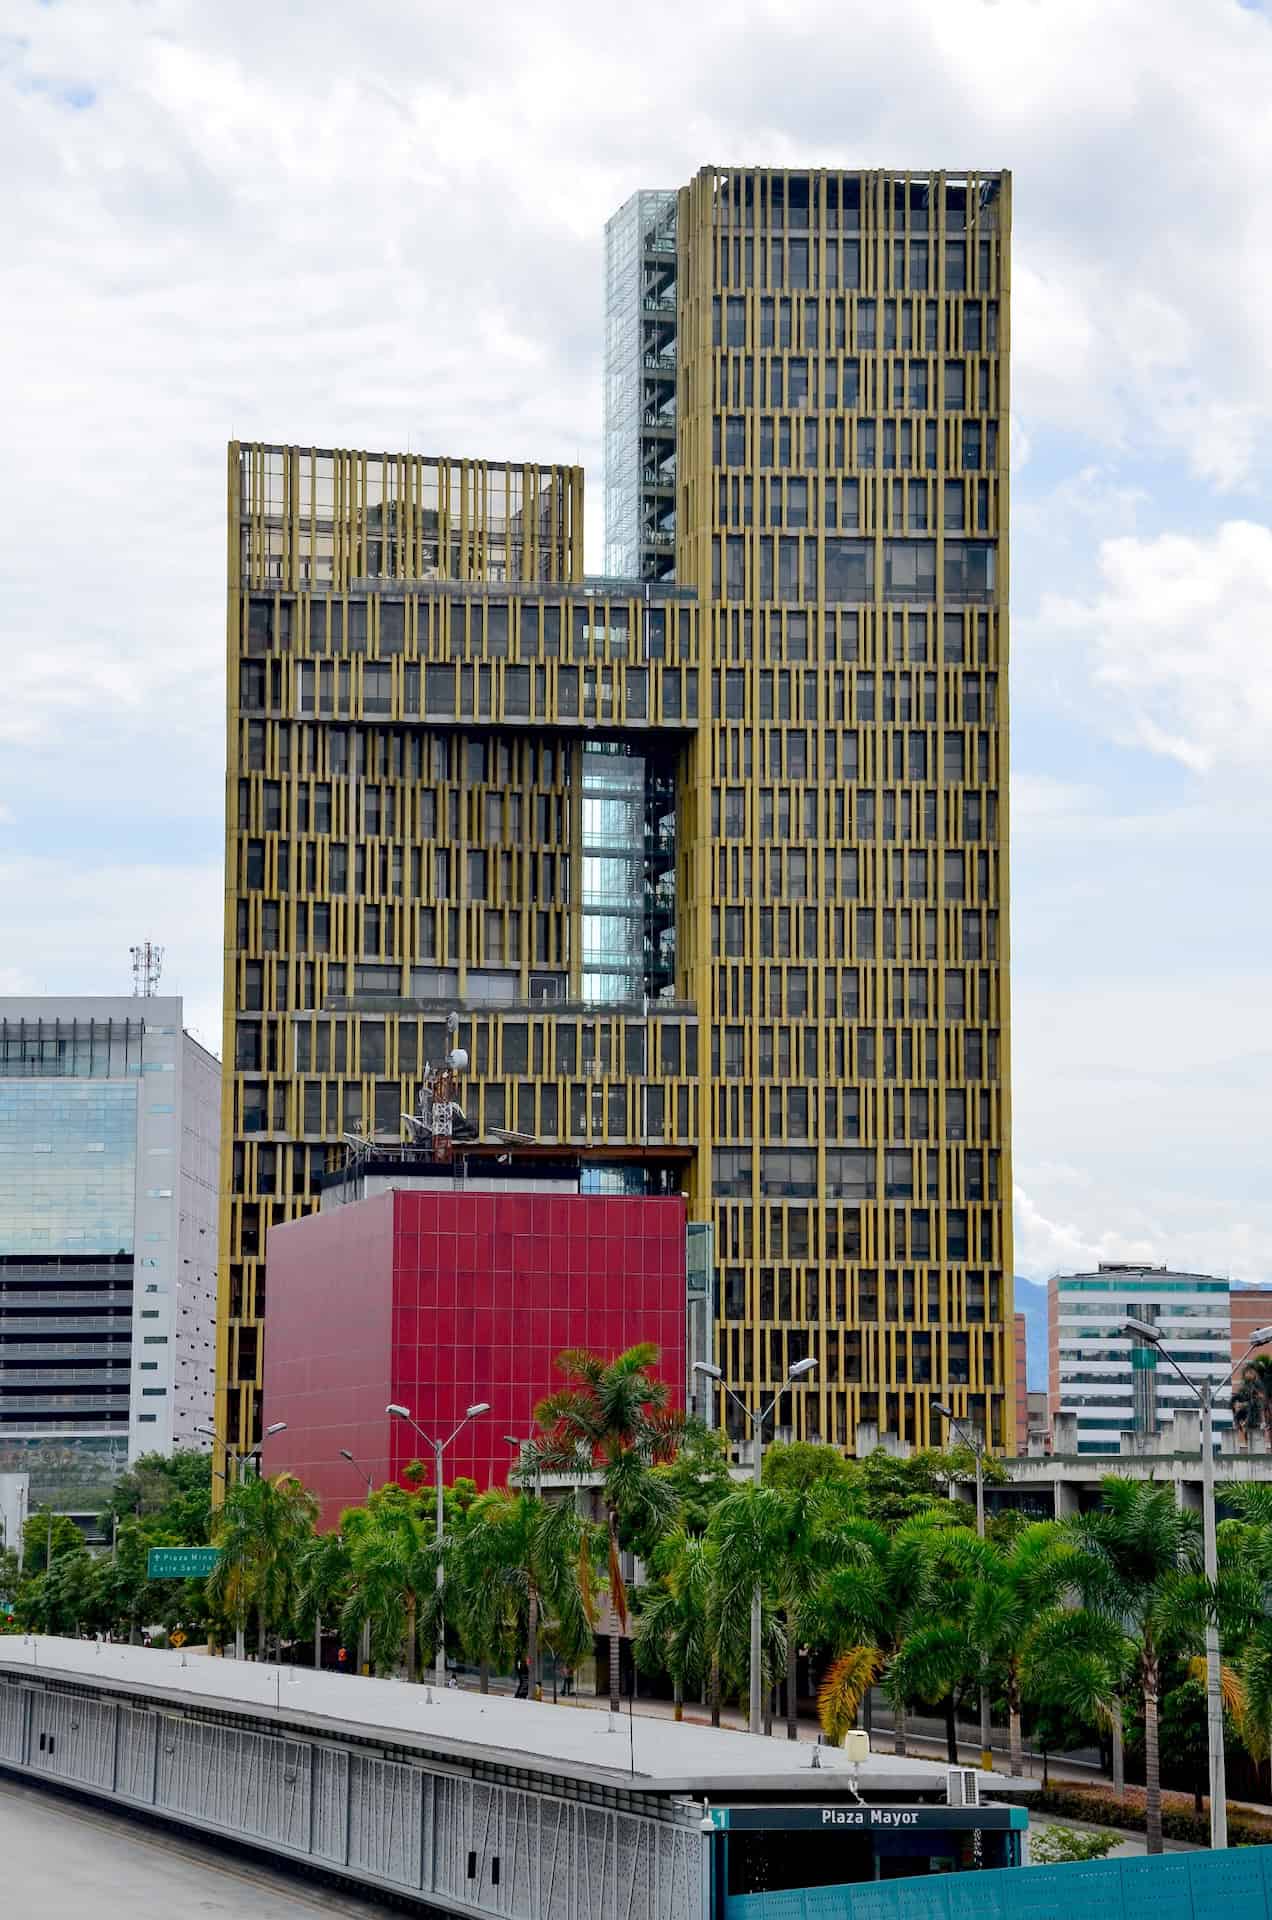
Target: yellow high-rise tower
(708, 857)
(807, 421)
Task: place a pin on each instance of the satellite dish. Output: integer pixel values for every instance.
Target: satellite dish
(457, 1059)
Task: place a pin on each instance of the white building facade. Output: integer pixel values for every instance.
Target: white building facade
(1112, 1383)
(109, 1154)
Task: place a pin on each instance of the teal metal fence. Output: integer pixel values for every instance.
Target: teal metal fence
(1176, 1886)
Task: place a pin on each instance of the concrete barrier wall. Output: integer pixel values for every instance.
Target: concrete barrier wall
(464, 1844)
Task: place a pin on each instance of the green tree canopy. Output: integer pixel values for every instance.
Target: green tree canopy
(262, 1530)
(793, 1466)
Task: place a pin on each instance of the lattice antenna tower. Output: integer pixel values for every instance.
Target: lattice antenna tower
(147, 965)
(433, 1125)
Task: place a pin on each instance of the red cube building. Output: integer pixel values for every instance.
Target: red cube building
(435, 1300)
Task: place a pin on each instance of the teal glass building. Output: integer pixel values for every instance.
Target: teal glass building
(108, 1176)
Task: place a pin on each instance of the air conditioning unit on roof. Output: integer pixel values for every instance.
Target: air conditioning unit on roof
(962, 1786)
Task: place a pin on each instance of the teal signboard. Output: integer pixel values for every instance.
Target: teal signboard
(873, 1819)
(181, 1563)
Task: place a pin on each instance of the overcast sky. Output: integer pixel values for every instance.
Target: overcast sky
(381, 226)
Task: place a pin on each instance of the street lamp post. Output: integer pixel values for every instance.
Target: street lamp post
(755, 1419)
(977, 1445)
(437, 1448)
(1146, 1331)
(358, 1468)
(364, 1632)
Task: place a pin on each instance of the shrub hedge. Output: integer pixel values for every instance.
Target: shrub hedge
(1102, 1808)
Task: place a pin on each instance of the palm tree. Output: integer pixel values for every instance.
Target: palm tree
(749, 1534)
(1245, 1575)
(845, 1684)
(262, 1529)
(517, 1570)
(874, 1591)
(393, 1561)
(1252, 1397)
(1074, 1665)
(1011, 1592)
(322, 1583)
(612, 1416)
(934, 1662)
(1256, 1680)
(808, 1514)
(827, 1558)
(673, 1626)
(483, 1601)
(1137, 1565)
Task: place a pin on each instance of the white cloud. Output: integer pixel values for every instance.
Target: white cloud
(1154, 1091)
(8, 817)
(69, 931)
(1237, 1250)
(1176, 634)
(1044, 1246)
(212, 247)
(358, 227)
(1090, 500)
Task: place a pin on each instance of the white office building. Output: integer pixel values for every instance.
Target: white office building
(1113, 1383)
(109, 1154)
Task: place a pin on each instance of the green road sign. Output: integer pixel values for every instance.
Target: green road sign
(180, 1563)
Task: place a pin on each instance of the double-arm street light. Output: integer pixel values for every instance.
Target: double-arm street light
(237, 1458)
(437, 1448)
(1151, 1335)
(974, 1440)
(755, 1419)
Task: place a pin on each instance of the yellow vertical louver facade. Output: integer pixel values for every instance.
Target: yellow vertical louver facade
(842, 508)
(712, 867)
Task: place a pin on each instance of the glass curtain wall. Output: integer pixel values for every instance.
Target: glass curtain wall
(613, 853)
(640, 390)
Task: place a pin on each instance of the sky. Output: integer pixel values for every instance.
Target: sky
(381, 226)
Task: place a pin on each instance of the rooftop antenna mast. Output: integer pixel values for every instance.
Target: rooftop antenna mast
(147, 965)
(432, 1126)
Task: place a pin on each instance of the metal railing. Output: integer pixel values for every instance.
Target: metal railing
(64, 1350)
(82, 1403)
(14, 1323)
(12, 1298)
(114, 1374)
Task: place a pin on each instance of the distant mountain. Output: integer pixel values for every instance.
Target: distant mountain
(1031, 1300)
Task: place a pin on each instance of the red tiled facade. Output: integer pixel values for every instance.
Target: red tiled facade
(437, 1300)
